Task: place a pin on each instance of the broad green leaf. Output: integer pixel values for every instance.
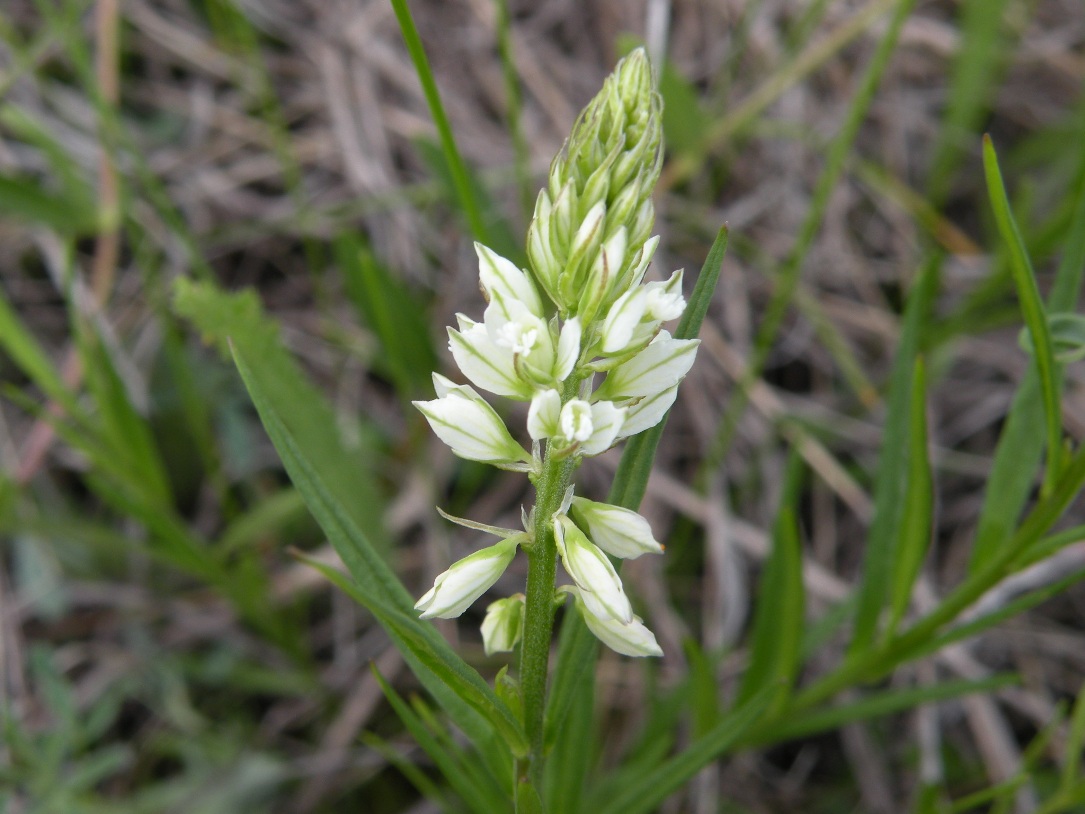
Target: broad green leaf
(1032, 310)
(778, 624)
(891, 476)
(916, 524)
(684, 122)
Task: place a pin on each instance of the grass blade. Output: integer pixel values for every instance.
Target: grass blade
(778, 626)
(303, 428)
(1032, 309)
(891, 476)
(915, 527)
(1020, 446)
(456, 166)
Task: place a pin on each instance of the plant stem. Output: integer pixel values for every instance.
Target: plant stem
(550, 488)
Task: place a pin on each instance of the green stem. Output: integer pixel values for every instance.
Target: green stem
(550, 488)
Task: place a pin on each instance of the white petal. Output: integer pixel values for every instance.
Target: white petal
(442, 384)
(543, 415)
(622, 319)
(660, 365)
(455, 590)
(644, 258)
(647, 412)
(630, 639)
(576, 420)
(600, 587)
(606, 422)
(504, 281)
(568, 349)
(619, 532)
(664, 300)
(464, 421)
(485, 364)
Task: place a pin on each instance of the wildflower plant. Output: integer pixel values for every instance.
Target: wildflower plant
(580, 313)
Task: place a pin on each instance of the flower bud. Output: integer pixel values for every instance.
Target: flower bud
(628, 638)
(455, 590)
(463, 420)
(503, 283)
(599, 585)
(503, 625)
(619, 532)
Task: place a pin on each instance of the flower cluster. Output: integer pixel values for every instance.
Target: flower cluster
(582, 310)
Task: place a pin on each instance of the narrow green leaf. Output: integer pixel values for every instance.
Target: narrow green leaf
(891, 477)
(804, 724)
(915, 527)
(1020, 445)
(644, 793)
(982, 53)
(394, 315)
(18, 343)
(481, 798)
(1032, 309)
(339, 490)
(1075, 745)
(631, 480)
(453, 158)
(778, 624)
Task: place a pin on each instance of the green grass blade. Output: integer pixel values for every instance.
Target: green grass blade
(482, 798)
(24, 350)
(916, 524)
(1021, 443)
(1075, 745)
(778, 625)
(1032, 310)
(804, 724)
(891, 477)
(340, 493)
(981, 54)
(644, 792)
(788, 279)
(460, 180)
(394, 315)
(631, 479)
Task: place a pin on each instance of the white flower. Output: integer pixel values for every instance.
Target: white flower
(647, 412)
(463, 420)
(628, 638)
(502, 282)
(622, 319)
(455, 590)
(593, 427)
(619, 532)
(599, 585)
(503, 625)
(485, 363)
(659, 366)
(664, 301)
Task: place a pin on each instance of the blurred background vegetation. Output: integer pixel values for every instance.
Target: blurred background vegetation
(161, 647)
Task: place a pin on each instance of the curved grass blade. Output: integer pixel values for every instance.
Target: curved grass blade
(456, 166)
(1032, 309)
